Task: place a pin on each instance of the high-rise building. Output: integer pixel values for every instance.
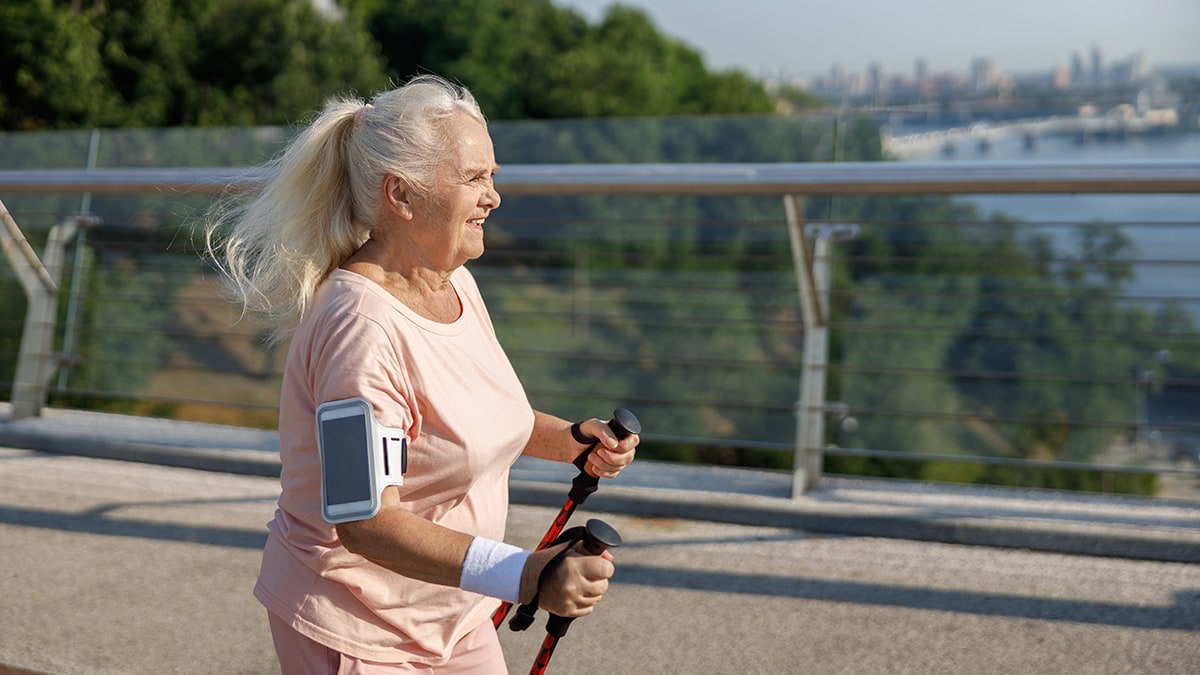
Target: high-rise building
(1060, 78)
(981, 74)
(1139, 67)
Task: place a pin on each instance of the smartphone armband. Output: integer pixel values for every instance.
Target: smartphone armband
(359, 458)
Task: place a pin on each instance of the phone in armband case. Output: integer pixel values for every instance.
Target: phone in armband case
(358, 459)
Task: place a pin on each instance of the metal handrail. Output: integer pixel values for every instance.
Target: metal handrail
(725, 180)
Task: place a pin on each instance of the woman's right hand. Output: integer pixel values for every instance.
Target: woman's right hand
(574, 585)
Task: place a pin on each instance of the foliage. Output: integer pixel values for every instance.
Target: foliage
(142, 63)
(12, 307)
(621, 67)
(198, 62)
(51, 71)
(795, 99)
(291, 57)
(125, 341)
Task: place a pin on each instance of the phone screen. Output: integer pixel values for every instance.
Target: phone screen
(346, 470)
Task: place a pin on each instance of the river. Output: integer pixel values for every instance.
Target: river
(1164, 228)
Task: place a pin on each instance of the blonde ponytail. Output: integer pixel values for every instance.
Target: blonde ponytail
(317, 207)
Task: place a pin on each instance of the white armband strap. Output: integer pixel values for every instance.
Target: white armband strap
(493, 568)
(359, 458)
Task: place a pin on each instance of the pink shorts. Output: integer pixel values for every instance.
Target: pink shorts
(478, 653)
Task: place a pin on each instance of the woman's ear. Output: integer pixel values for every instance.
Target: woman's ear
(397, 196)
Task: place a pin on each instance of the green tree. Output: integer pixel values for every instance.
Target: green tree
(621, 67)
(146, 48)
(125, 341)
(196, 62)
(444, 37)
(274, 61)
(241, 62)
(795, 99)
(51, 71)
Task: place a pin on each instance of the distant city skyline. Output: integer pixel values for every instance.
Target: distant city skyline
(769, 38)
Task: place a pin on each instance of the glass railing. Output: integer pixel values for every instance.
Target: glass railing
(1004, 338)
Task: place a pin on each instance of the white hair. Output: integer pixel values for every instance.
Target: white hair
(318, 204)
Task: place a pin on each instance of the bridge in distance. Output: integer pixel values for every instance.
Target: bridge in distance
(1118, 124)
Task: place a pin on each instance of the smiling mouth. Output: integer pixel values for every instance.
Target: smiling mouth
(477, 222)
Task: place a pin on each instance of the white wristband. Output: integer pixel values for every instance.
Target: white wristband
(493, 568)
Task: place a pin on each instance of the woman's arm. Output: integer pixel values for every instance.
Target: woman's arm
(406, 543)
(410, 545)
(552, 439)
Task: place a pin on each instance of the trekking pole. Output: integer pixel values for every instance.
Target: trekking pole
(623, 424)
(598, 536)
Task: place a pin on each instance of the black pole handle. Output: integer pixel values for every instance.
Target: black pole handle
(624, 424)
(598, 537)
(594, 538)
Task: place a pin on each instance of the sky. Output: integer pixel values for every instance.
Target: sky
(768, 38)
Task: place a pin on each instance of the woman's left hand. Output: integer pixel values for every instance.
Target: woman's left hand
(611, 454)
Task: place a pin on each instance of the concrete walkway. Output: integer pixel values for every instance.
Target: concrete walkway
(1065, 522)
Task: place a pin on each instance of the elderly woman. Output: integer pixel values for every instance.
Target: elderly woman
(355, 250)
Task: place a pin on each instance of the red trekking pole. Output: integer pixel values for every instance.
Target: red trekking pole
(623, 424)
(598, 536)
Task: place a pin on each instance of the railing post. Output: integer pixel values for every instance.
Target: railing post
(36, 361)
(813, 280)
(810, 423)
(77, 276)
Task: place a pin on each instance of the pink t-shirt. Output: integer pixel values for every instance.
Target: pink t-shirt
(452, 387)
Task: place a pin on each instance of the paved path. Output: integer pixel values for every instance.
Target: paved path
(1153, 529)
(111, 567)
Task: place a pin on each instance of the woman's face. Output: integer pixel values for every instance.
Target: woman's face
(448, 222)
